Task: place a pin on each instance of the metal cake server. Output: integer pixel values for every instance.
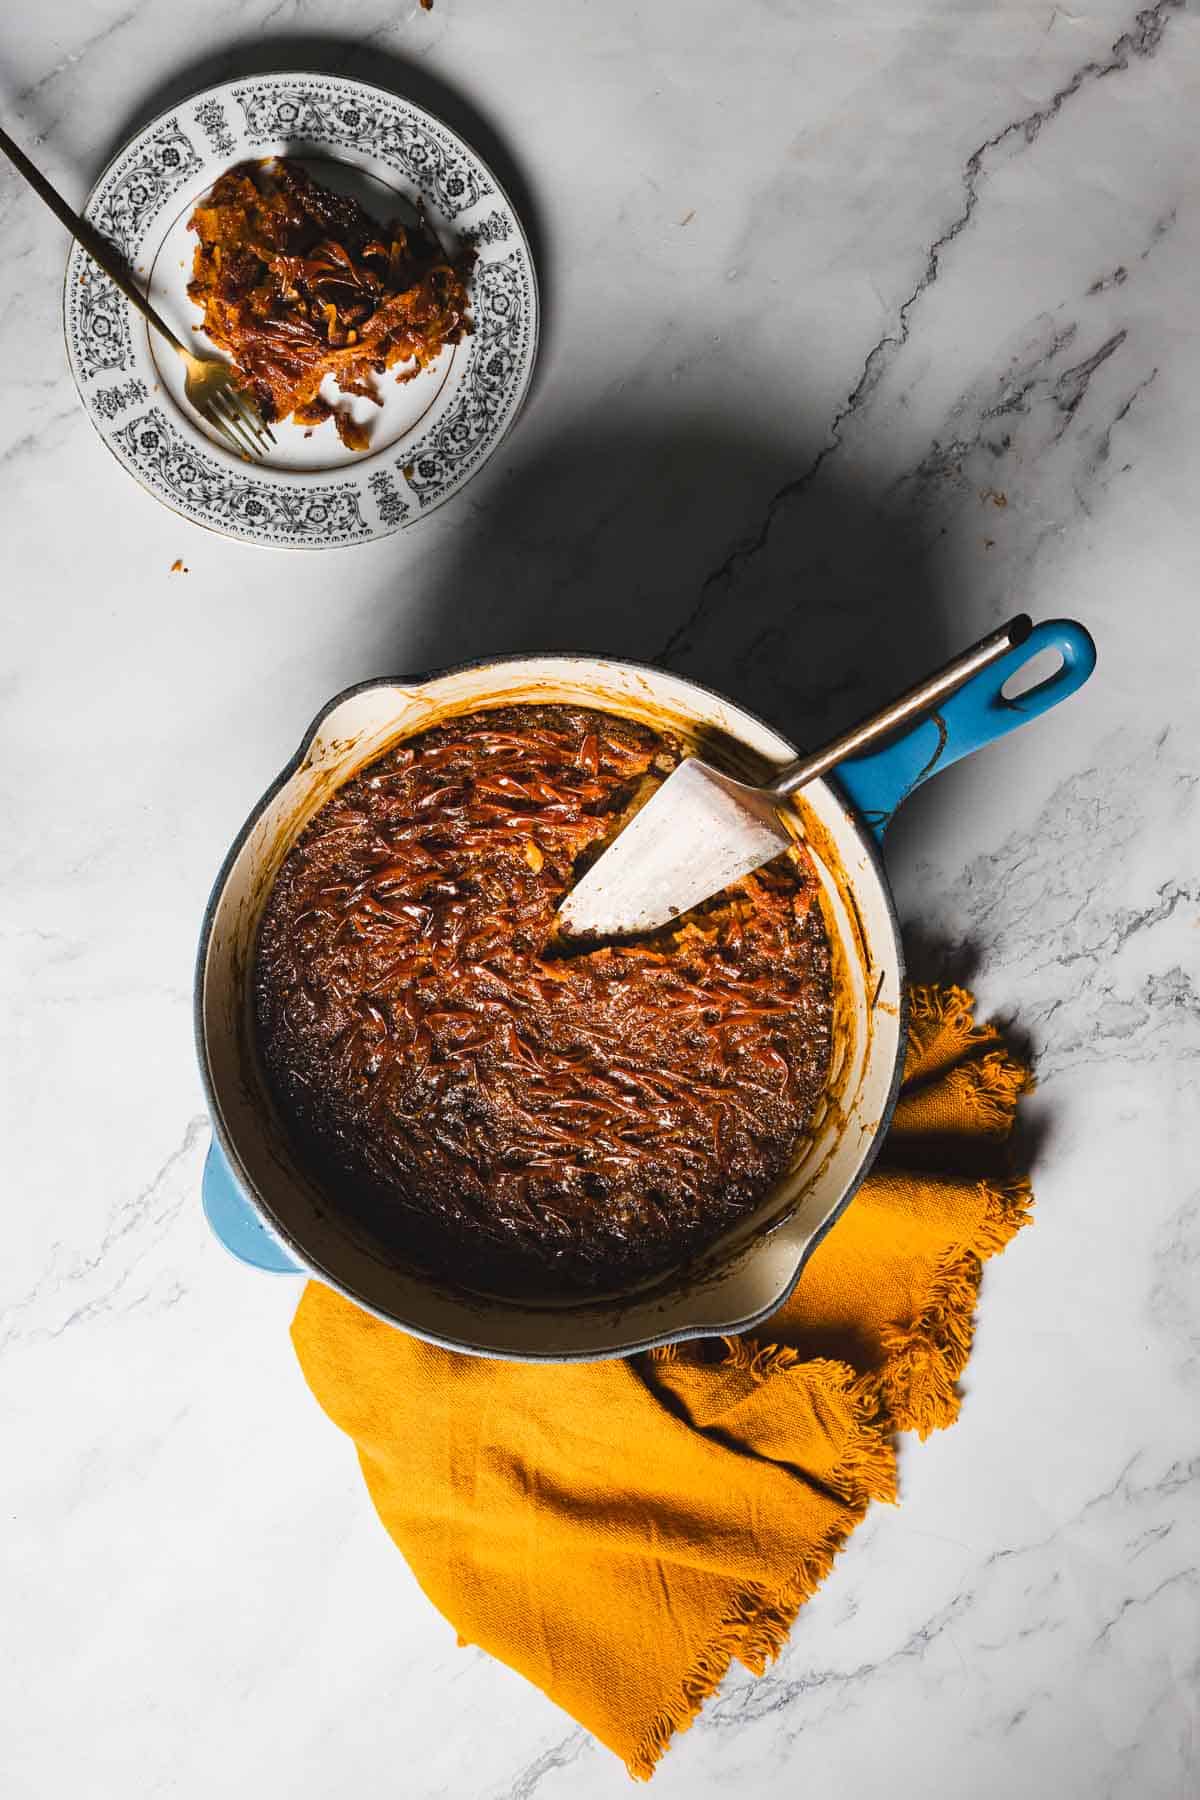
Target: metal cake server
(702, 830)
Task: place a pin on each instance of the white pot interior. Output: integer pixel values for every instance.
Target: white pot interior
(750, 1271)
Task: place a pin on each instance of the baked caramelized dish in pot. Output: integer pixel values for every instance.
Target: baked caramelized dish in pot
(516, 1116)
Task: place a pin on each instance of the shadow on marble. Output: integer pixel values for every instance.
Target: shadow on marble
(330, 54)
(932, 957)
(631, 540)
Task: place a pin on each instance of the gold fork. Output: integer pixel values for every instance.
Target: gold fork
(211, 386)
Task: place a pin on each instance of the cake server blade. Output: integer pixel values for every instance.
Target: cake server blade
(703, 830)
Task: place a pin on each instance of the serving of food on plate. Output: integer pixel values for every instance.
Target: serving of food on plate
(357, 265)
(304, 290)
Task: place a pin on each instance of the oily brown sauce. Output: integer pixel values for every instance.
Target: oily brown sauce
(516, 1115)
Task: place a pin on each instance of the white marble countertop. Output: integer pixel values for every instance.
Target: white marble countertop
(866, 326)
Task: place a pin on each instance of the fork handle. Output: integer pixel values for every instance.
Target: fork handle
(97, 247)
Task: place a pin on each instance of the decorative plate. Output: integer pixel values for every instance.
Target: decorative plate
(429, 436)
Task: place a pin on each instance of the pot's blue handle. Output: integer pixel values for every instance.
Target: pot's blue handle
(973, 716)
(234, 1221)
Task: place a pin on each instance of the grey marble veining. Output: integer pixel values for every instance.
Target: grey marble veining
(865, 328)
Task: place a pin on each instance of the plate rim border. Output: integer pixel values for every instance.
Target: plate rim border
(503, 196)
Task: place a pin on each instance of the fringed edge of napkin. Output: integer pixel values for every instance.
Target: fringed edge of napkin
(756, 1626)
(926, 1357)
(915, 1390)
(918, 1382)
(947, 1013)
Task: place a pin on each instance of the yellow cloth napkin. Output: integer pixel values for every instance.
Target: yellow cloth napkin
(618, 1531)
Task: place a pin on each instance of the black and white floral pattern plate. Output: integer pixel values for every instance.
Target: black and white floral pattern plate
(316, 494)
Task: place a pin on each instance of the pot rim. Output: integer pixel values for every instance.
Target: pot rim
(656, 1340)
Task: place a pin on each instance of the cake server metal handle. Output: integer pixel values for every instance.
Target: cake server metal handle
(910, 705)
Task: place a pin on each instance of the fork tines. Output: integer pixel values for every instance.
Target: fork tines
(239, 422)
